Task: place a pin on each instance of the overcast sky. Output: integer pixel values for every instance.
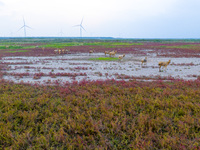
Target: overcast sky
(105, 18)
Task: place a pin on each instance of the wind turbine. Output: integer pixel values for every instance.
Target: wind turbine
(81, 27)
(60, 33)
(24, 26)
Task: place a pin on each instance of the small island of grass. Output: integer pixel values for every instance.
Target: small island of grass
(105, 58)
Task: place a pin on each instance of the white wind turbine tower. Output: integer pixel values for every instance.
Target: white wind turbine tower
(60, 33)
(81, 27)
(24, 26)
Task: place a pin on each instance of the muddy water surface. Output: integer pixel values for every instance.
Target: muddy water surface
(79, 66)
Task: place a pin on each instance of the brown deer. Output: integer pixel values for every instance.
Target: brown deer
(106, 52)
(112, 53)
(56, 51)
(121, 56)
(59, 51)
(63, 51)
(67, 50)
(164, 64)
(144, 61)
(91, 51)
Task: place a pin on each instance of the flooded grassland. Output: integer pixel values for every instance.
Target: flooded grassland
(79, 66)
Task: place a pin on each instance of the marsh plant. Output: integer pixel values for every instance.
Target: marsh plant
(100, 114)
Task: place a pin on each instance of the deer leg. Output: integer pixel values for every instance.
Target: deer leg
(165, 68)
(159, 68)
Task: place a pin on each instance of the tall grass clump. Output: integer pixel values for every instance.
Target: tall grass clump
(100, 115)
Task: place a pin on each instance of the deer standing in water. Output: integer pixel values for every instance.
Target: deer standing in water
(144, 61)
(163, 64)
(121, 57)
(112, 53)
(106, 52)
(91, 51)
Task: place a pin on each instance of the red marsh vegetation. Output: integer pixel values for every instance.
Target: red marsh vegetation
(100, 114)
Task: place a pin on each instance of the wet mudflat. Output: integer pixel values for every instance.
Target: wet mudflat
(79, 66)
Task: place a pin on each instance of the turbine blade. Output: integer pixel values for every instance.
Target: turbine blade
(76, 26)
(81, 21)
(83, 28)
(20, 28)
(23, 20)
(28, 27)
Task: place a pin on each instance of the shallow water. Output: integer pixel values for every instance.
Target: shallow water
(183, 68)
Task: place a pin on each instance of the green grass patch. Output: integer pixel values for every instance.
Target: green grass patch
(105, 58)
(17, 51)
(107, 44)
(62, 45)
(194, 46)
(3, 47)
(112, 43)
(11, 47)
